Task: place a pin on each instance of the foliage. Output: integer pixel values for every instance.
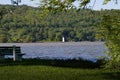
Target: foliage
(25, 24)
(61, 5)
(106, 1)
(110, 31)
(55, 6)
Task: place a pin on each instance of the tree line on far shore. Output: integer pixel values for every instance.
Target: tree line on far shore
(25, 24)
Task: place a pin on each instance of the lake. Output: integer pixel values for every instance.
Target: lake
(59, 50)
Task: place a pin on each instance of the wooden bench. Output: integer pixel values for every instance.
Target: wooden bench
(15, 51)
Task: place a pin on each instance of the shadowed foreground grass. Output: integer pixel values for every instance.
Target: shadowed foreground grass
(55, 73)
(53, 62)
(35, 71)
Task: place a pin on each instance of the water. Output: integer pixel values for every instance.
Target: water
(68, 50)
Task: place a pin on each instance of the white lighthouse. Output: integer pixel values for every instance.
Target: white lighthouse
(63, 39)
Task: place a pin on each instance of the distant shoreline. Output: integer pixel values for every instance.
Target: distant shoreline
(52, 43)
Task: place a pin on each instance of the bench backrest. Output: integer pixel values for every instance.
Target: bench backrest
(8, 50)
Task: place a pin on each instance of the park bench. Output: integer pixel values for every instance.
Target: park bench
(15, 51)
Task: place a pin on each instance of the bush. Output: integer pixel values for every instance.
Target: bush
(110, 32)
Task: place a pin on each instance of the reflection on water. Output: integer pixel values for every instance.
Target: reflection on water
(69, 50)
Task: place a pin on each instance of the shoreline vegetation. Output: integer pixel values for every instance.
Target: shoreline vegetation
(70, 63)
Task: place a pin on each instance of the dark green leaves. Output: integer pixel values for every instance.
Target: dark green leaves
(56, 5)
(110, 31)
(84, 2)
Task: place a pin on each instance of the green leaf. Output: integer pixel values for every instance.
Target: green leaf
(106, 1)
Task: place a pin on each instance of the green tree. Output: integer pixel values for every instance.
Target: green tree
(60, 5)
(109, 30)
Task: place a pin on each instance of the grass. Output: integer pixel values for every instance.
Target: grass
(56, 62)
(55, 73)
(48, 70)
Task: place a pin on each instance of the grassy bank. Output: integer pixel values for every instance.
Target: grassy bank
(32, 69)
(55, 73)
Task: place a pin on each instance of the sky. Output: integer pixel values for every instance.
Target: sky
(98, 4)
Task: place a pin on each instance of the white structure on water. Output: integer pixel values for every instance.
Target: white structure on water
(63, 39)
